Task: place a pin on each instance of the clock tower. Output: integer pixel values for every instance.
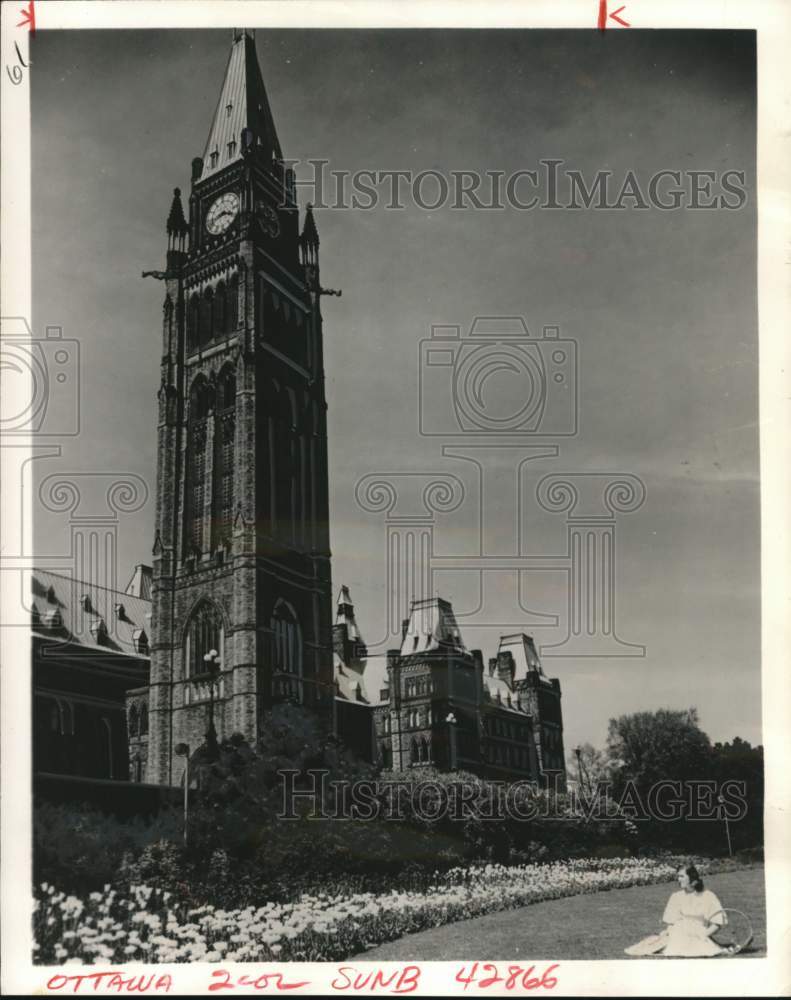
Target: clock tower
(241, 588)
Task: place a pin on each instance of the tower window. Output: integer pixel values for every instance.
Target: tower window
(228, 110)
(231, 148)
(286, 652)
(204, 634)
(224, 432)
(213, 158)
(196, 466)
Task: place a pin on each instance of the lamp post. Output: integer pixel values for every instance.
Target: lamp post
(577, 751)
(452, 723)
(210, 676)
(721, 801)
(183, 750)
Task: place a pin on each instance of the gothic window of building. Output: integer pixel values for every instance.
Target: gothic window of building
(425, 750)
(196, 466)
(387, 756)
(193, 322)
(144, 720)
(414, 752)
(287, 652)
(219, 310)
(205, 317)
(224, 433)
(233, 304)
(387, 724)
(204, 633)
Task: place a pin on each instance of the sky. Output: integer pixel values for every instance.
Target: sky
(662, 306)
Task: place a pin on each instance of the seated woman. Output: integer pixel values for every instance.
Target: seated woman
(692, 915)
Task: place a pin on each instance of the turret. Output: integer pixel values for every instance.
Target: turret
(309, 250)
(177, 230)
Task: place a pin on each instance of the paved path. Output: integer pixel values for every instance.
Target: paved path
(599, 925)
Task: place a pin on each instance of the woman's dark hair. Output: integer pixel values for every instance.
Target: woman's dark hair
(694, 878)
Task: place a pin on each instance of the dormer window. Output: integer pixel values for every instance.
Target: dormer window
(85, 603)
(98, 630)
(228, 110)
(53, 618)
(231, 148)
(213, 157)
(140, 640)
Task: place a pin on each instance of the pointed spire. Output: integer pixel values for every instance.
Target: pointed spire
(310, 235)
(243, 107)
(177, 224)
(345, 613)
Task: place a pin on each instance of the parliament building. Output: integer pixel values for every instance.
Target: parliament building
(235, 613)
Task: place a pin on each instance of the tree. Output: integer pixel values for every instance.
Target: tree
(588, 766)
(658, 746)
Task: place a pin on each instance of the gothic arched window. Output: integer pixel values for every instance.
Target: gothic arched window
(232, 312)
(387, 756)
(205, 319)
(144, 720)
(134, 720)
(196, 466)
(224, 433)
(220, 310)
(425, 750)
(193, 322)
(286, 652)
(204, 633)
(414, 753)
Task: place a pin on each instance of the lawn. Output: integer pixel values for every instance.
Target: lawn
(593, 926)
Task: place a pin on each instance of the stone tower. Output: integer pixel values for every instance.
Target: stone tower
(241, 581)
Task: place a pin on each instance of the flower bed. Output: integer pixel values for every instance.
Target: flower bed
(148, 926)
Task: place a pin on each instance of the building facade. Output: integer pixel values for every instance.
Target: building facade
(90, 662)
(235, 613)
(241, 583)
(433, 703)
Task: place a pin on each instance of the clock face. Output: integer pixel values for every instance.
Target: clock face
(222, 213)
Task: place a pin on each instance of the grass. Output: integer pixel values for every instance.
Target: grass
(593, 926)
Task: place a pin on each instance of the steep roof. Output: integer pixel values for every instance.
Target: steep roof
(503, 695)
(344, 614)
(370, 673)
(140, 583)
(89, 615)
(523, 650)
(242, 104)
(431, 626)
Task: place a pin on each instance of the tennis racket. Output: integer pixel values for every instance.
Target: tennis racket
(736, 932)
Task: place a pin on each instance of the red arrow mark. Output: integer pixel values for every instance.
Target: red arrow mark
(603, 15)
(28, 17)
(614, 16)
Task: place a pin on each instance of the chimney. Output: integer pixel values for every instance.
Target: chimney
(505, 666)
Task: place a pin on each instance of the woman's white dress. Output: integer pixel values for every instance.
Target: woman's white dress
(688, 916)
